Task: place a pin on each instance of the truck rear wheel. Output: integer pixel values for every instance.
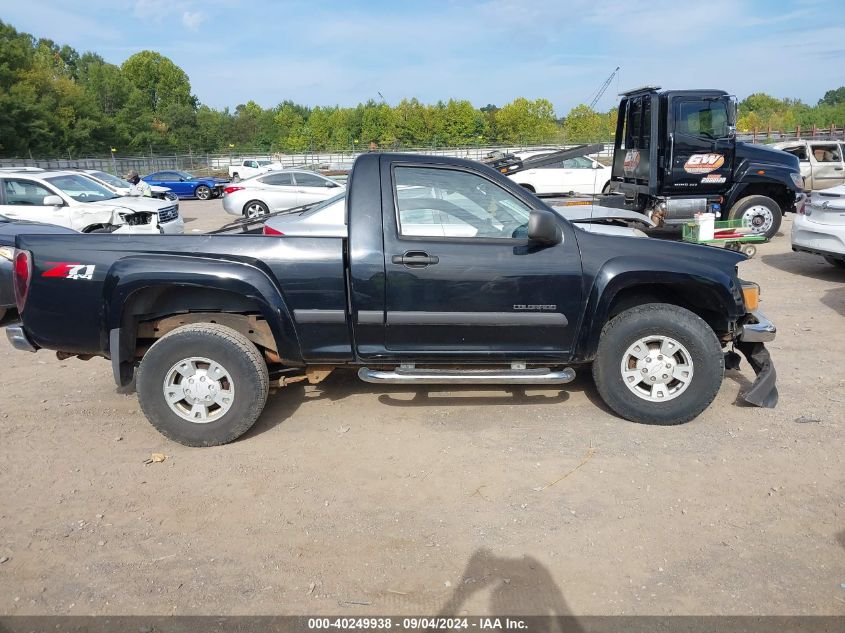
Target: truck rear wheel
(203, 384)
(761, 213)
(658, 364)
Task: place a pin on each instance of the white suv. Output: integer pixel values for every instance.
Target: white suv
(74, 201)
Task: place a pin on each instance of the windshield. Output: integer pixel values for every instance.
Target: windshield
(81, 189)
(261, 163)
(110, 179)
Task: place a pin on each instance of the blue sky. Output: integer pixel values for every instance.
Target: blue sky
(487, 51)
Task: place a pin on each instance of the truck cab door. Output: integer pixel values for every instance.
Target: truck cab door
(827, 166)
(461, 278)
(701, 145)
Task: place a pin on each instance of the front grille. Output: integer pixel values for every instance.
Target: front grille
(168, 214)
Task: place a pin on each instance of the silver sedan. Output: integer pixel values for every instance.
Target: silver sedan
(277, 191)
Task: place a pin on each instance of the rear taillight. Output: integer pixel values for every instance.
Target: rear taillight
(269, 230)
(23, 275)
(232, 189)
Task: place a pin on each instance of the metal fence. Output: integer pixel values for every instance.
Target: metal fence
(218, 163)
(812, 133)
(206, 164)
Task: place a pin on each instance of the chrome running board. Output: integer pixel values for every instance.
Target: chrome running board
(412, 376)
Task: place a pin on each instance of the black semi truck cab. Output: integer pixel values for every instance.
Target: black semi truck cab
(676, 154)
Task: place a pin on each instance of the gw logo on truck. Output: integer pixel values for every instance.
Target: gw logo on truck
(703, 163)
(70, 270)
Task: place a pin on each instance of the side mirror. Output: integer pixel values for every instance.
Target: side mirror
(544, 228)
(181, 179)
(596, 166)
(331, 185)
(53, 201)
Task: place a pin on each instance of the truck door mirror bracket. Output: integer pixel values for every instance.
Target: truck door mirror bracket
(543, 227)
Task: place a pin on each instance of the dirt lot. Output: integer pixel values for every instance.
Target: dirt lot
(353, 498)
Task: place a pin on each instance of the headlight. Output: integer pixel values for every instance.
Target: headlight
(797, 180)
(7, 252)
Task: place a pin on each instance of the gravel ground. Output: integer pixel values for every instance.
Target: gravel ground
(353, 498)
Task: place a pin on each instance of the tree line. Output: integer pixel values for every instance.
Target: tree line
(55, 101)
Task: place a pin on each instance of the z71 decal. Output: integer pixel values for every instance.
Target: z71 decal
(69, 270)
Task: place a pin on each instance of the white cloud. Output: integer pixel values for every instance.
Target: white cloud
(193, 19)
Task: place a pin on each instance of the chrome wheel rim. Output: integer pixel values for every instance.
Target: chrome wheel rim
(199, 390)
(254, 210)
(758, 218)
(657, 368)
(203, 193)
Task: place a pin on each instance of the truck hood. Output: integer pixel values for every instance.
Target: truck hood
(763, 154)
(678, 254)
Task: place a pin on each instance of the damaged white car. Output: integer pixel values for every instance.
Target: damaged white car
(71, 200)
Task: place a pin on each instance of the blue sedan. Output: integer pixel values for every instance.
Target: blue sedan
(185, 185)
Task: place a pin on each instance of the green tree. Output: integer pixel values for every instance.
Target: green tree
(523, 121)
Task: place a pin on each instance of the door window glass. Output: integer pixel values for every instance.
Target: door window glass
(277, 179)
(827, 153)
(707, 119)
(309, 180)
(25, 192)
(449, 203)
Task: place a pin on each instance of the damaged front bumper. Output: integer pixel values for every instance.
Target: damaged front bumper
(754, 332)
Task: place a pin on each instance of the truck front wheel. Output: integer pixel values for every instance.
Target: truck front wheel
(203, 384)
(761, 213)
(658, 364)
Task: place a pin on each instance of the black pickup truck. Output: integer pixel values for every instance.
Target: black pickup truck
(448, 272)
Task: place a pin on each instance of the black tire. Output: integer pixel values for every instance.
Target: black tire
(659, 319)
(744, 204)
(258, 208)
(234, 352)
(606, 189)
(529, 187)
(202, 192)
(839, 263)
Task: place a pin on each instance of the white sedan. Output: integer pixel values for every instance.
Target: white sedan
(581, 174)
(277, 191)
(76, 202)
(819, 227)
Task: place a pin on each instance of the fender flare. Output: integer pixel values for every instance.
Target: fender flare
(130, 276)
(717, 289)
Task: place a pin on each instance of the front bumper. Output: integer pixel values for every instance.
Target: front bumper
(750, 341)
(758, 330)
(174, 227)
(18, 338)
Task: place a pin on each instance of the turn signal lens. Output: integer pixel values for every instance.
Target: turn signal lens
(751, 296)
(232, 189)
